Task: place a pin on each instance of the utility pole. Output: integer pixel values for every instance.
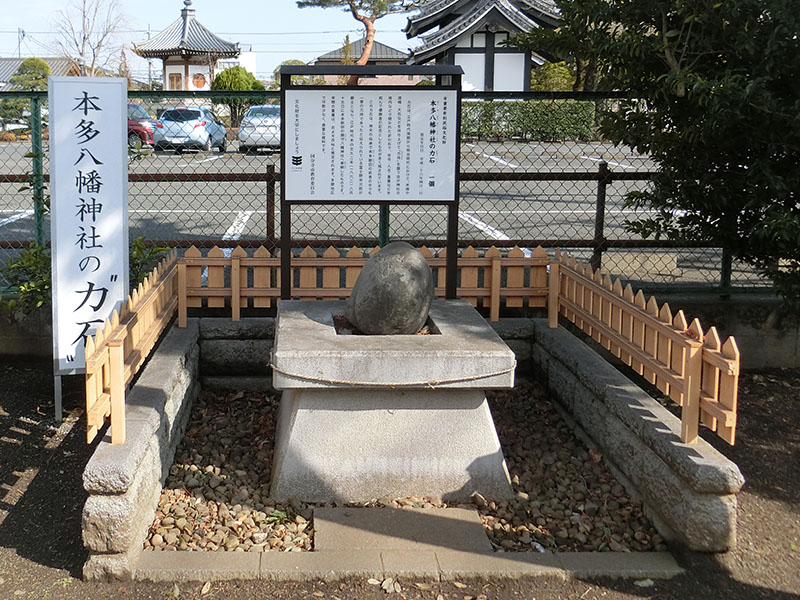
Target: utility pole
(20, 37)
(149, 65)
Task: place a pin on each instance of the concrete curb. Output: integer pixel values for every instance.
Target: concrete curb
(442, 564)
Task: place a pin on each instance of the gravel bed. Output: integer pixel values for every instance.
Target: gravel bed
(217, 494)
(566, 498)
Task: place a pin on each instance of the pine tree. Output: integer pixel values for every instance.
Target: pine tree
(367, 12)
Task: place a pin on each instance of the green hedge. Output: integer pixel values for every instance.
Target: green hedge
(536, 120)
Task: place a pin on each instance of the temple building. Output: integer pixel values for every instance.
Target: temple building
(470, 33)
(191, 53)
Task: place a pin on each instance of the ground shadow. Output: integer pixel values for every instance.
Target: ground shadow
(41, 467)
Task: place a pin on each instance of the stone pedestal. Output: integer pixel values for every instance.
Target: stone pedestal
(366, 417)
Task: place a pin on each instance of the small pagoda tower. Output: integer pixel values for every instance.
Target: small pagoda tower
(189, 52)
(471, 34)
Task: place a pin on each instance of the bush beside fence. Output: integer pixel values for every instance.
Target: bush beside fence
(532, 120)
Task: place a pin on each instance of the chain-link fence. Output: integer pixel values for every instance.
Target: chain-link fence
(534, 171)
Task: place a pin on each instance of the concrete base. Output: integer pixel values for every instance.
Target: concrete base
(356, 445)
(365, 417)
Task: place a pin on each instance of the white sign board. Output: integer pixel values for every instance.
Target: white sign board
(89, 209)
(370, 145)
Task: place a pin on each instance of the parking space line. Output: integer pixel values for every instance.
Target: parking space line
(497, 159)
(234, 233)
(17, 217)
(197, 162)
(610, 162)
(484, 227)
(237, 228)
(156, 211)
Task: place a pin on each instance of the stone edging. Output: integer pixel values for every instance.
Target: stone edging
(124, 481)
(690, 488)
(440, 564)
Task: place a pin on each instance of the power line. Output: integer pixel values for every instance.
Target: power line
(219, 33)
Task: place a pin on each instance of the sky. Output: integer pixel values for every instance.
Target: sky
(276, 29)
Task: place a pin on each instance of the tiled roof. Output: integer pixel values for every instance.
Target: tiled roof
(448, 34)
(59, 67)
(440, 12)
(545, 8)
(380, 53)
(186, 36)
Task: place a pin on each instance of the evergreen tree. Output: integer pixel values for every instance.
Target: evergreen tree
(715, 99)
(347, 58)
(366, 12)
(236, 79)
(31, 75)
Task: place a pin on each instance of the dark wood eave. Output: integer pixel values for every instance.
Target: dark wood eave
(493, 13)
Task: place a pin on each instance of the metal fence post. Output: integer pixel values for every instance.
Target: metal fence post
(726, 273)
(383, 225)
(37, 169)
(271, 204)
(600, 215)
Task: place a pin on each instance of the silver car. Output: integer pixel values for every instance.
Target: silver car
(260, 128)
(185, 128)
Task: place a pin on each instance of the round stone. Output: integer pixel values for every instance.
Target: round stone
(393, 292)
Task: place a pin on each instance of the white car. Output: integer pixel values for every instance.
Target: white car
(260, 128)
(185, 128)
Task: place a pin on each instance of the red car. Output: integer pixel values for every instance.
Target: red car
(140, 126)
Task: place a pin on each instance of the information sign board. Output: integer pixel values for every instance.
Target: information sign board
(89, 209)
(357, 144)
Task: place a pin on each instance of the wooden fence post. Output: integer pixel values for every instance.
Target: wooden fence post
(182, 294)
(554, 288)
(116, 359)
(494, 310)
(692, 373)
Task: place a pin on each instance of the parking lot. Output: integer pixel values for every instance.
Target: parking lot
(233, 209)
(219, 203)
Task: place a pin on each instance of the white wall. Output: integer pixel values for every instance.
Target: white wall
(509, 72)
(199, 70)
(246, 60)
(474, 66)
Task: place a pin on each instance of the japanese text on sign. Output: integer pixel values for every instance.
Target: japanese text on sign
(89, 209)
(371, 144)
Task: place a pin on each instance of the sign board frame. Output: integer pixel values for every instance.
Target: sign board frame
(447, 78)
(89, 209)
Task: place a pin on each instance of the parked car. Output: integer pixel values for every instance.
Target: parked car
(140, 126)
(260, 128)
(184, 128)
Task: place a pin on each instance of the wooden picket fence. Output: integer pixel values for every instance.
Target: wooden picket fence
(255, 281)
(119, 348)
(695, 369)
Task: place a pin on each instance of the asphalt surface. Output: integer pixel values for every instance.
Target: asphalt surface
(230, 209)
(234, 210)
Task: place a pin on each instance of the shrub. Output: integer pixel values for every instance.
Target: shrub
(535, 120)
(29, 272)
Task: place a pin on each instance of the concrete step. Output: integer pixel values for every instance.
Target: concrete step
(399, 529)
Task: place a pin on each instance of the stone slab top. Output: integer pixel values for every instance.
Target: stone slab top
(308, 353)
